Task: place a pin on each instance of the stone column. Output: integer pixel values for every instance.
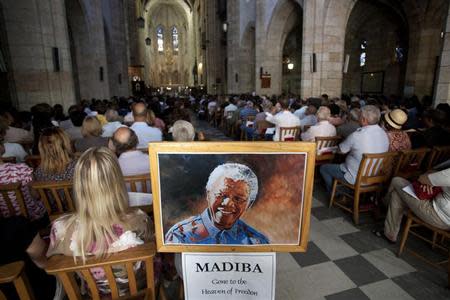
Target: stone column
(34, 28)
(442, 93)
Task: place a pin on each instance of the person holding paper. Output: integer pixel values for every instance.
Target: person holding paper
(435, 212)
(230, 191)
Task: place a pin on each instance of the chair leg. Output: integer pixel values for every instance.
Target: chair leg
(356, 208)
(405, 235)
(333, 192)
(435, 235)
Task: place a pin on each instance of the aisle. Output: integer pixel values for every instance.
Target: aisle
(211, 133)
(344, 261)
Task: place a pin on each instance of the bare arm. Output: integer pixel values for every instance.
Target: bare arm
(36, 250)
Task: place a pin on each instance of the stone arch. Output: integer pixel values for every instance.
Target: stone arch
(247, 71)
(286, 15)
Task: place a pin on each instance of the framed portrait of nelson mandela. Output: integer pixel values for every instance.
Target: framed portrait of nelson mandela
(232, 196)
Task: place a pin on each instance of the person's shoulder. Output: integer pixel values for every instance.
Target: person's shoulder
(182, 225)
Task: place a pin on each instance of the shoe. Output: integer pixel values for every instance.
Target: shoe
(380, 234)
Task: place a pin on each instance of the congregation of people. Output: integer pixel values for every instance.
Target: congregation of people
(99, 142)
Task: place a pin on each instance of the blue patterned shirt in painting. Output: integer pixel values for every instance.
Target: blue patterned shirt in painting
(201, 230)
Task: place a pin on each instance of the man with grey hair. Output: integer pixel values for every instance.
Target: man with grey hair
(370, 138)
(323, 128)
(230, 191)
(351, 125)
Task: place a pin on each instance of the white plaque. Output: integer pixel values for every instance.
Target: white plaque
(229, 276)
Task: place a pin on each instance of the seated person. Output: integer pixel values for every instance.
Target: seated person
(114, 122)
(25, 244)
(91, 131)
(435, 212)
(310, 118)
(284, 118)
(183, 131)
(393, 122)
(103, 223)
(14, 134)
(15, 173)
(145, 133)
(370, 138)
(132, 161)
(434, 134)
(11, 149)
(76, 118)
(322, 128)
(57, 160)
(351, 124)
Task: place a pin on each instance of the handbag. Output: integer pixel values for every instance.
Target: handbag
(423, 194)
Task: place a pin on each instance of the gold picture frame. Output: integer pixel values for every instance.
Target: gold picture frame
(284, 154)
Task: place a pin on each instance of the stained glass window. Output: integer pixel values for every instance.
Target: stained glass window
(160, 38)
(175, 39)
(363, 56)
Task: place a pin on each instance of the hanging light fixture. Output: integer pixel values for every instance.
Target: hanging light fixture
(225, 26)
(148, 41)
(290, 66)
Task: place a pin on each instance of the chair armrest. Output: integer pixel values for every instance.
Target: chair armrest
(11, 271)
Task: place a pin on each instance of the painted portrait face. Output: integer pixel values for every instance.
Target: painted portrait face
(229, 202)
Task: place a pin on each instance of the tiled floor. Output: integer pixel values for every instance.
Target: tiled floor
(344, 261)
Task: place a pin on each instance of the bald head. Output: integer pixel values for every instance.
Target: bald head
(124, 139)
(139, 112)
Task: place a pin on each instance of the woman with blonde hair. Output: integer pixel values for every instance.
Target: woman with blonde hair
(57, 160)
(103, 222)
(91, 131)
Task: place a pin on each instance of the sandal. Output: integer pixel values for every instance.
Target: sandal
(380, 234)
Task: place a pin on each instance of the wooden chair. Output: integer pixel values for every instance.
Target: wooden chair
(33, 161)
(249, 122)
(6, 190)
(56, 196)
(374, 171)
(413, 221)
(140, 184)
(14, 273)
(11, 160)
(65, 268)
(410, 163)
(325, 148)
(289, 134)
(438, 155)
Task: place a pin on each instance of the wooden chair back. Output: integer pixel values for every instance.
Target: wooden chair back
(56, 196)
(65, 269)
(33, 161)
(410, 162)
(438, 155)
(248, 122)
(11, 160)
(289, 133)
(326, 147)
(140, 184)
(6, 192)
(375, 168)
(14, 273)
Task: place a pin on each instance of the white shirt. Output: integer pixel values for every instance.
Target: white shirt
(323, 128)
(146, 134)
(18, 135)
(128, 118)
(110, 128)
(282, 119)
(134, 163)
(367, 139)
(15, 150)
(74, 133)
(229, 107)
(300, 113)
(308, 120)
(441, 202)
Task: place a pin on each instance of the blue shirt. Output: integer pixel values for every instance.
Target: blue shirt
(200, 229)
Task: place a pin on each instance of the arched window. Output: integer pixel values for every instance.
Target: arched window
(175, 40)
(160, 38)
(363, 56)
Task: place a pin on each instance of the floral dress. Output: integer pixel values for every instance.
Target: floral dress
(63, 241)
(14, 173)
(398, 140)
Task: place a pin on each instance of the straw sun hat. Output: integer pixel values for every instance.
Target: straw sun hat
(396, 118)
